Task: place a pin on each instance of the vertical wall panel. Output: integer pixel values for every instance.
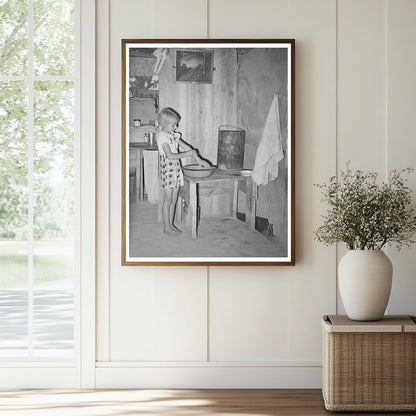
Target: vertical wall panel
(401, 144)
(248, 315)
(137, 301)
(361, 84)
(179, 19)
(131, 316)
(179, 309)
(247, 19)
(361, 89)
(102, 177)
(312, 281)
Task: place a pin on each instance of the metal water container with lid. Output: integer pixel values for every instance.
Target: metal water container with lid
(231, 141)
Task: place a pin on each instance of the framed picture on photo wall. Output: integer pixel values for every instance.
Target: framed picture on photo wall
(194, 66)
(208, 158)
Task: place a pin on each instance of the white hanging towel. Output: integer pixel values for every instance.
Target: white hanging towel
(270, 150)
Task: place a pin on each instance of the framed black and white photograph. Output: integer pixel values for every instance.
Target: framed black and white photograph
(208, 134)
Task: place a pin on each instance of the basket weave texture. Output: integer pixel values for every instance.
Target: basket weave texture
(369, 371)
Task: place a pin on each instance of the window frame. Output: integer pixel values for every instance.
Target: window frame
(81, 371)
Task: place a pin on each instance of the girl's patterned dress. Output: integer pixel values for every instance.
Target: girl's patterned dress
(170, 171)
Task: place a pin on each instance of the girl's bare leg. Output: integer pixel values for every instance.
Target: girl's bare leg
(167, 202)
(172, 209)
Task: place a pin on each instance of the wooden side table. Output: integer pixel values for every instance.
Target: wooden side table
(369, 366)
(190, 193)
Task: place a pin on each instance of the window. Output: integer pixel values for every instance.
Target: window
(38, 184)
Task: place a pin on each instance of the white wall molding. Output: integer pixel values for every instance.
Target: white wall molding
(88, 204)
(203, 364)
(103, 179)
(210, 377)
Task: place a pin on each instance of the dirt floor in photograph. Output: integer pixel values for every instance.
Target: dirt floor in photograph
(217, 237)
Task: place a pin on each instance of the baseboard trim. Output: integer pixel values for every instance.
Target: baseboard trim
(204, 364)
(39, 378)
(210, 377)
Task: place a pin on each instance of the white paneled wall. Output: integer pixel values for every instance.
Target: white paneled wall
(361, 88)
(401, 131)
(254, 326)
(165, 317)
(253, 318)
(361, 84)
(311, 283)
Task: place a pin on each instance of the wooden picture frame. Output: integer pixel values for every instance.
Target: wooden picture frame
(236, 112)
(194, 66)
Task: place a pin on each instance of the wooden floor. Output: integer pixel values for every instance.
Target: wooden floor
(165, 402)
(217, 237)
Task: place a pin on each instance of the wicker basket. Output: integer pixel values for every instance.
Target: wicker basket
(369, 366)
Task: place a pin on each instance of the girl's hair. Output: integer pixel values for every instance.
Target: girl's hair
(166, 115)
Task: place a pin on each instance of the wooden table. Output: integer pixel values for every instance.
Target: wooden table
(136, 162)
(190, 192)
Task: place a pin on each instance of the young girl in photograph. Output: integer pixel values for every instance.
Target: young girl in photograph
(169, 143)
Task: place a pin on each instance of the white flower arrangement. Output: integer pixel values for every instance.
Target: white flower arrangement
(365, 215)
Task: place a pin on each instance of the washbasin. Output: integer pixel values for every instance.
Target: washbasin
(198, 172)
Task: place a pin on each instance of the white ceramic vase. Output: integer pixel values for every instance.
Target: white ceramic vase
(364, 278)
